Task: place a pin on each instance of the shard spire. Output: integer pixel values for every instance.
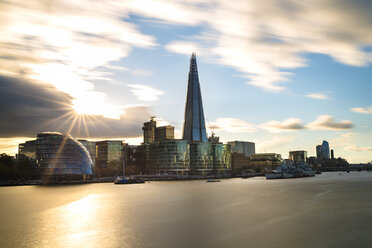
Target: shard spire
(194, 123)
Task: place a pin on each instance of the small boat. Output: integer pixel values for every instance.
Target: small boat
(128, 180)
(213, 180)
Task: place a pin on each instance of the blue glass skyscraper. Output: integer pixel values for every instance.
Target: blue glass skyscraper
(194, 123)
(324, 149)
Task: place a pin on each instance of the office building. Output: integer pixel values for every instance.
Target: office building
(214, 139)
(27, 149)
(298, 156)
(164, 133)
(149, 131)
(61, 157)
(221, 158)
(170, 157)
(322, 151)
(265, 161)
(194, 122)
(91, 147)
(243, 147)
(152, 133)
(109, 161)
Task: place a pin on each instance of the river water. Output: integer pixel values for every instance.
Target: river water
(329, 210)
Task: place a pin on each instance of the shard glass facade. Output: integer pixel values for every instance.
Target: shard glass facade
(194, 123)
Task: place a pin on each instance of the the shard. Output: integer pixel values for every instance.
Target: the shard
(194, 123)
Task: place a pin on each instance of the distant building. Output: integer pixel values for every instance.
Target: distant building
(214, 139)
(164, 133)
(265, 161)
(184, 157)
(136, 159)
(109, 158)
(61, 157)
(322, 151)
(170, 157)
(298, 156)
(91, 147)
(243, 147)
(27, 149)
(149, 131)
(194, 122)
(239, 162)
(152, 133)
(221, 154)
(318, 153)
(332, 154)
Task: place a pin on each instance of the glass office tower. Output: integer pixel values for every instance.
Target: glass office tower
(194, 123)
(170, 157)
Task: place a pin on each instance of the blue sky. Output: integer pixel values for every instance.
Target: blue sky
(284, 74)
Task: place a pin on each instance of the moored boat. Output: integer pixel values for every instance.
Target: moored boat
(128, 180)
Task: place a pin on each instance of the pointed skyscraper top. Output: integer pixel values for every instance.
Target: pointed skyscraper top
(194, 123)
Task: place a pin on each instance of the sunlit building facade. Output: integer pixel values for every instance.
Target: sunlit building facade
(298, 156)
(201, 158)
(109, 158)
(60, 156)
(170, 157)
(243, 147)
(91, 147)
(221, 158)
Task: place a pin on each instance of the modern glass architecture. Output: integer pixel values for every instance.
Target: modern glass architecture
(109, 158)
(324, 150)
(201, 158)
(243, 147)
(194, 123)
(170, 157)
(60, 154)
(221, 158)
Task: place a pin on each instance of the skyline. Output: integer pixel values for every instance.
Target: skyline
(283, 74)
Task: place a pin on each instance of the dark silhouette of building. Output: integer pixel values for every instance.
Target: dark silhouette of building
(27, 149)
(194, 123)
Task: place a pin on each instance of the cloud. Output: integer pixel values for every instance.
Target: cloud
(67, 44)
(141, 72)
(272, 142)
(320, 96)
(29, 107)
(186, 48)
(356, 148)
(349, 134)
(145, 92)
(290, 124)
(367, 110)
(231, 125)
(327, 122)
(264, 39)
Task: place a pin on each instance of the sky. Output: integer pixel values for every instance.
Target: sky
(285, 74)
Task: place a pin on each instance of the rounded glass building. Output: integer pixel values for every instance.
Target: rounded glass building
(61, 156)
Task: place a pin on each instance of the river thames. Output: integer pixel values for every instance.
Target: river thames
(329, 210)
